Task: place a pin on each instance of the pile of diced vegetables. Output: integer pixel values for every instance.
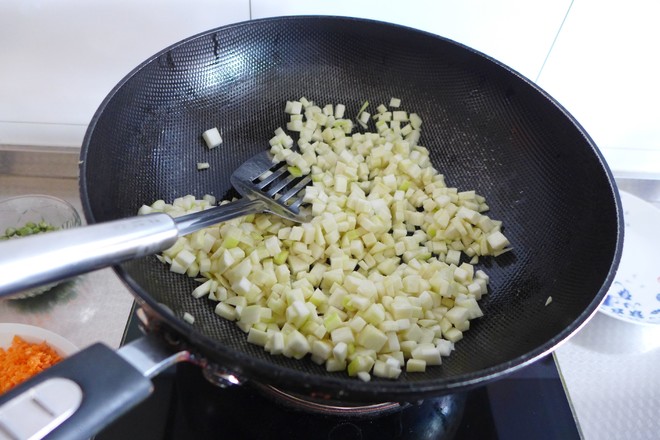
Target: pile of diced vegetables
(374, 283)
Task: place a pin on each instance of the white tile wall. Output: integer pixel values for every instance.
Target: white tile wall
(603, 68)
(516, 32)
(60, 58)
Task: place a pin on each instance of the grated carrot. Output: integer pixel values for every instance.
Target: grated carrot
(22, 360)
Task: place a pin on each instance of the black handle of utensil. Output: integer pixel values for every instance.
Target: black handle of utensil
(110, 387)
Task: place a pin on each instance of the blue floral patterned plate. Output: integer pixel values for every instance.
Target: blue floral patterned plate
(635, 293)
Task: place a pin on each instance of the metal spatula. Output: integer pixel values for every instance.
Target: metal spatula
(41, 259)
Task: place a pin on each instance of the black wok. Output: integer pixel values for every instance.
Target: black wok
(487, 128)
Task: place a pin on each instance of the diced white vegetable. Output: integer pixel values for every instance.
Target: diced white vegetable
(364, 376)
(444, 347)
(399, 115)
(374, 282)
(453, 257)
(415, 366)
(453, 335)
(428, 353)
(296, 345)
(226, 311)
(364, 117)
(415, 121)
(190, 319)
(342, 334)
(203, 289)
(372, 338)
(340, 351)
(293, 107)
(497, 241)
(276, 343)
(322, 349)
(258, 337)
(360, 363)
(333, 365)
(212, 137)
(340, 109)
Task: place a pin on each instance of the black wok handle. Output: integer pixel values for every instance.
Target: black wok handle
(45, 258)
(82, 394)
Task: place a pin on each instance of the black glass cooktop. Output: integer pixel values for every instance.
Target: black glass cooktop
(529, 404)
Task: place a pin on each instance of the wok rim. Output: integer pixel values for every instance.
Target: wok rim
(295, 380)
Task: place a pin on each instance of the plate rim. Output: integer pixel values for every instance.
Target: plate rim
(606, 310)
(33, 333)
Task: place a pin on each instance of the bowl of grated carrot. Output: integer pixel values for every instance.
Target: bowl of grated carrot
(26, 350)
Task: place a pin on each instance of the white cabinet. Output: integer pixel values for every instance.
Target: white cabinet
(604, 70)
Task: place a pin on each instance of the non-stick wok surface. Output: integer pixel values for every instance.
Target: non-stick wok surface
(487, 129)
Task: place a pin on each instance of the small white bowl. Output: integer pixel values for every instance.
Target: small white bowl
(15, 212)
(35, 335)
(635, 293)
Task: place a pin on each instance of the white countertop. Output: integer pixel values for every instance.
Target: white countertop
(610, 371)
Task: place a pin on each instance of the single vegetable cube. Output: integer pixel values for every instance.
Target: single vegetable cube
(212, 138)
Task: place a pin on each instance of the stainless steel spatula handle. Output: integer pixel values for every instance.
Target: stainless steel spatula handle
(45, 258)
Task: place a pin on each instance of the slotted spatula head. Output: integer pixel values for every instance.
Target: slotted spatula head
(261, 179)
